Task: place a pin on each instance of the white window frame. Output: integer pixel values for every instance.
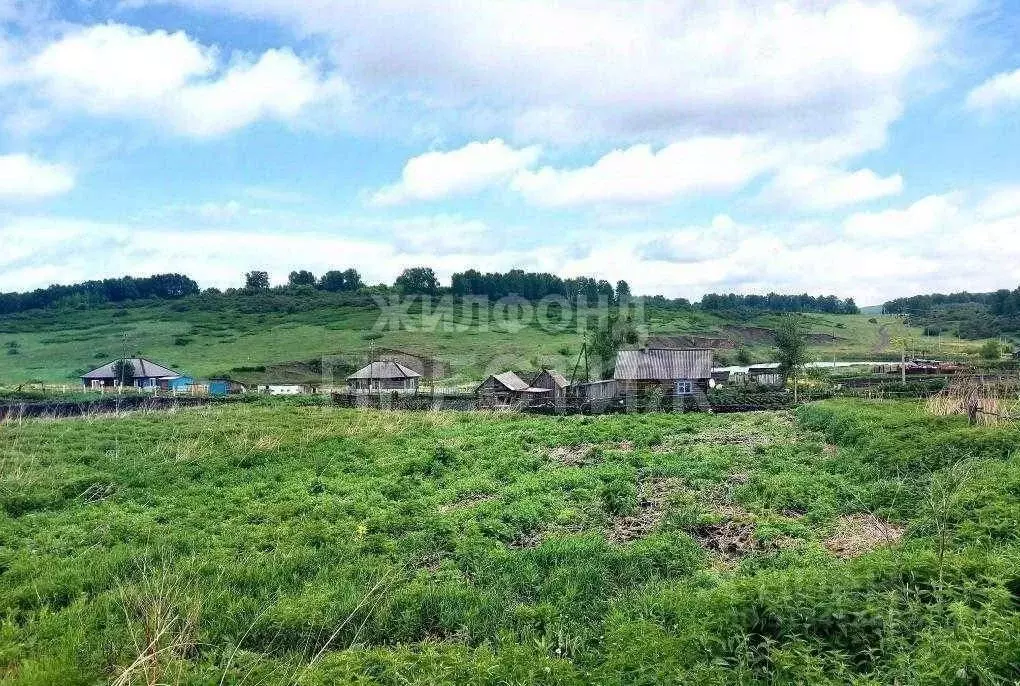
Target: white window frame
(684, 387)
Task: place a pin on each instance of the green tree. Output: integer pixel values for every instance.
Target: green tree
(301, 278)
(606, 339)
(418, 280)
(332, 281)
(124, 372)
(791, 350)
(256, 281)
(352, 280)
(991, 350)
(622, 290)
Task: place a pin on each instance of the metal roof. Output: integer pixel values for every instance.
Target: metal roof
(144, 369)
(384, 370)
(656, 364)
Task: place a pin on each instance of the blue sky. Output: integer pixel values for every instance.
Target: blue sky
(867, 149)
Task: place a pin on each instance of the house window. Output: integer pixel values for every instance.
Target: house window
(683, 387)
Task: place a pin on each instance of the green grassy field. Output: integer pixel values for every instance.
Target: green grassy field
(203, 336)
(277, 542)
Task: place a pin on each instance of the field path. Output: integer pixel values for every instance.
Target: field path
(884, 338)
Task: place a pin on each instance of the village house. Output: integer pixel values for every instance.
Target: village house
(673, 371)
(507, 390)
(145, 374)
(384, 376)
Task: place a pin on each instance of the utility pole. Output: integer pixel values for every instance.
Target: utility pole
(833, 344)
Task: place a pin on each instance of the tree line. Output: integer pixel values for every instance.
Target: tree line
(1000, 303)
(89, 293)
(775, 302)
(334, 281)
(420, 280)
(535, 285)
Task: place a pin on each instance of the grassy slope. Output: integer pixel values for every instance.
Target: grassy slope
(204, 336)
(254, 535)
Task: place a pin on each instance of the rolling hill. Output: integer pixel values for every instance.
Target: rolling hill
(285, 334)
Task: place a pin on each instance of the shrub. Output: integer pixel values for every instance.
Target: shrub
(991, 350)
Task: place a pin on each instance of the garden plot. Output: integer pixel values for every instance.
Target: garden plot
(326, 545)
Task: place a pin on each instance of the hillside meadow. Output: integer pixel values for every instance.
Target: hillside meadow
(242, 335)
(282, 542)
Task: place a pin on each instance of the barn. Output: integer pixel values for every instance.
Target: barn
(675, 372)
(384, 376)
(507, 390)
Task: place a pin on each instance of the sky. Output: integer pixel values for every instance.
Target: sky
(868, 149)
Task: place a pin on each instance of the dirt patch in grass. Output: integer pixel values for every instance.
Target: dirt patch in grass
(585, 454)
(733, 536)
(526, 539)
(857, 534)
(653, 498)
(574, 455)
(730, 539)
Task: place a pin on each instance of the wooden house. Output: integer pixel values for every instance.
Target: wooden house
(384, 376)
(675, 372)
(507, 390)
(555, 382)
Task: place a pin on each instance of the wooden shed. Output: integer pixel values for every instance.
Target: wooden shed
(507, 390)
(766, 375)
(555, 382)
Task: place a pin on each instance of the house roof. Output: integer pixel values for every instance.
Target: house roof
(384, 370)
(144, 369)
(656, 364)
(557, 378)
(512, 382)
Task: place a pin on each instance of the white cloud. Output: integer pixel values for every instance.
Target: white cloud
(124, 71)
(640, 174)
(1000, 91)
(436, 175)
(110, 67)
(948, 246)
(25, 178)
(441, 235)
(1001, 202)
(827, 188)
(626, 70)
(923, 218)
